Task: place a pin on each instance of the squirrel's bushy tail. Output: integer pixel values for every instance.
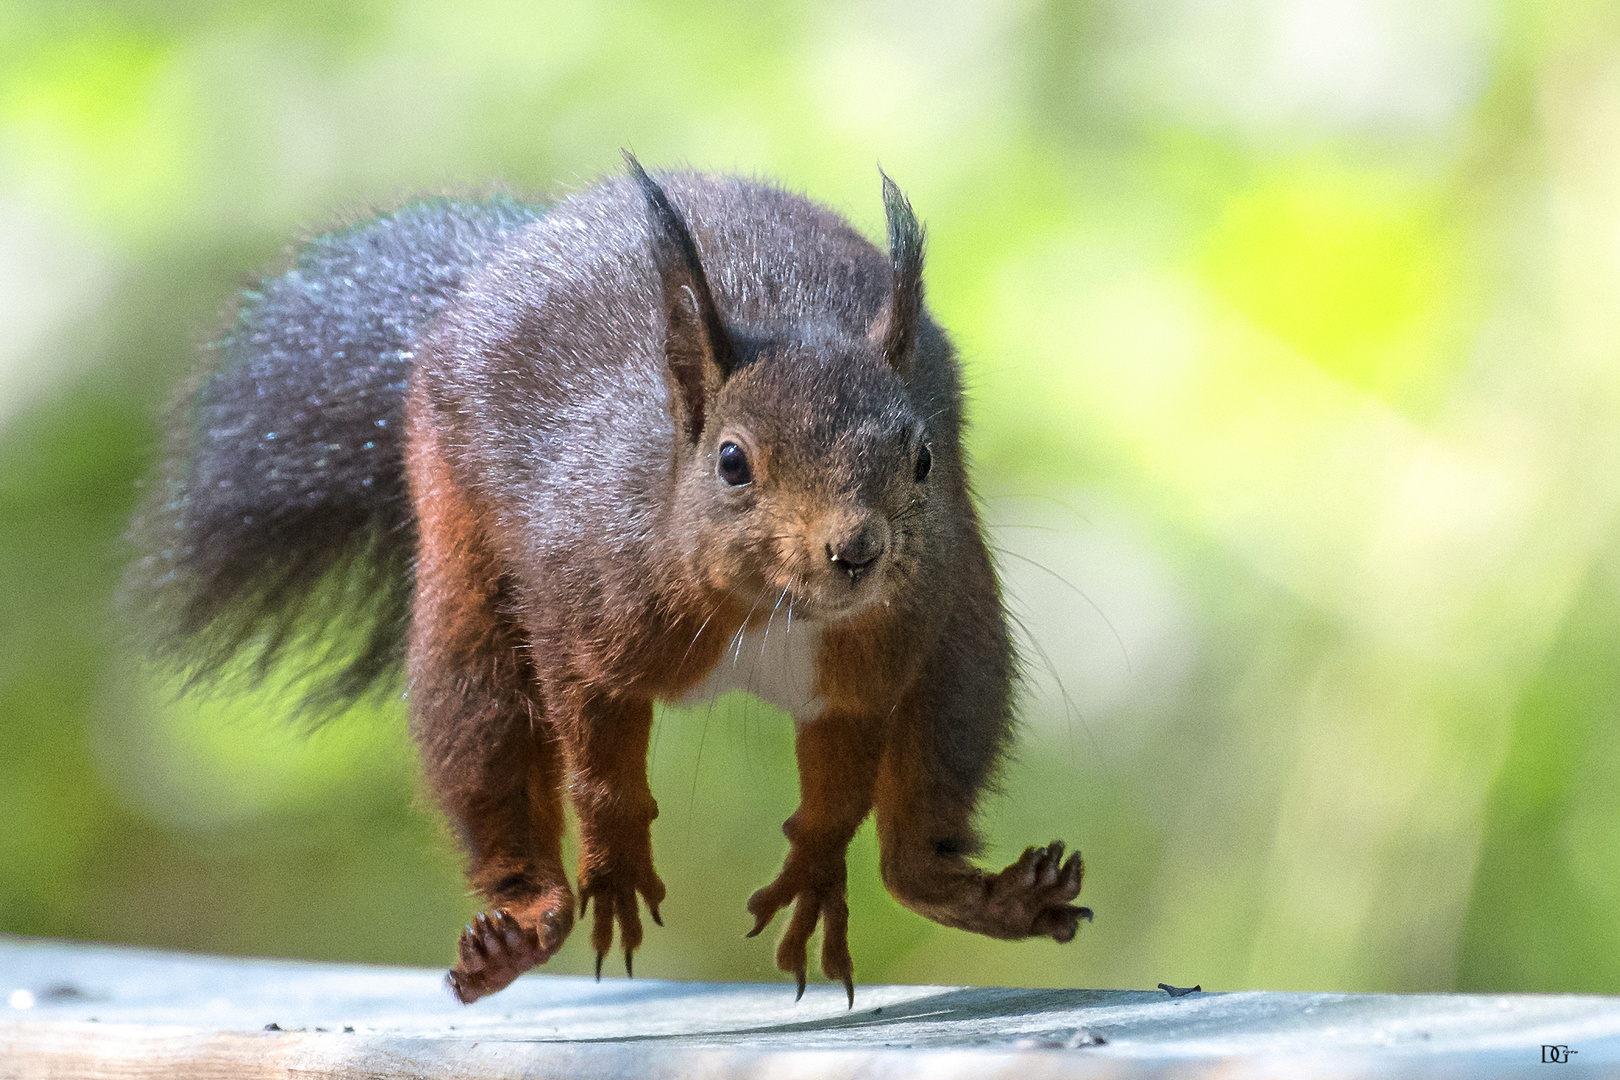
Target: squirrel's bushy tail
(281, 529)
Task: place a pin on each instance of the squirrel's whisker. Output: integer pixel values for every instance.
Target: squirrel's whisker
(713, 611)
(735, 648)
(1000, 550)
(765, 638)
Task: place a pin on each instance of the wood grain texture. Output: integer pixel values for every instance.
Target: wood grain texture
(108, 1012)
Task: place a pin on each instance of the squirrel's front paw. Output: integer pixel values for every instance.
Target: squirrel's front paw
(820, 897)
(1031, 897)
(498, 947)
(615, 889)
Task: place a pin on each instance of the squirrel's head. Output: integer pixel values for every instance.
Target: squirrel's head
(803, 464)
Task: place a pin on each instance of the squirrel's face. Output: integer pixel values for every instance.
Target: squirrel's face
(805, 473)
(809, 485)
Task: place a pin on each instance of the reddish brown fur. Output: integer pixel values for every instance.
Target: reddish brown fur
(558, 597)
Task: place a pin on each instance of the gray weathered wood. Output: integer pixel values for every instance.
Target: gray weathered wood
(99, 1011)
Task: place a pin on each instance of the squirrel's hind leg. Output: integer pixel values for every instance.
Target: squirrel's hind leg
(491, 756)
(942, 748)
(946, 740)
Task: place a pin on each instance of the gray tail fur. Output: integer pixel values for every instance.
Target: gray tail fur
(280, 529)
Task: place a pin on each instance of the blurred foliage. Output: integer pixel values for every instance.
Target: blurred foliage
(1294, 349)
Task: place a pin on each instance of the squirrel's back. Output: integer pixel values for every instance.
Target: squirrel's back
(551, 369)
(281, 522)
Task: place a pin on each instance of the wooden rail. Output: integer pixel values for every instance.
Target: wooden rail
(78, 1010)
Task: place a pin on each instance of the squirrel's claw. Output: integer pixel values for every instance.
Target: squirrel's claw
(496, 948)
(618, 896)
(836, 962)
(1031, 898)
(818, 899)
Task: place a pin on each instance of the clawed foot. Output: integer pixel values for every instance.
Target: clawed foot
(498, 947)
(615, 894)
(1031, 897)
(820, 897)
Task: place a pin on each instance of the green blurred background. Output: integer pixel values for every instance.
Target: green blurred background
(1293, 335)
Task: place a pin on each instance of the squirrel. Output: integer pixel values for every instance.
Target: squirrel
(663, 437)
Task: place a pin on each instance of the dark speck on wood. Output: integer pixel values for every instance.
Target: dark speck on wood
(1180, 991)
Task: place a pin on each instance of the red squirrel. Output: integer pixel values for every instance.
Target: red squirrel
(661, 438)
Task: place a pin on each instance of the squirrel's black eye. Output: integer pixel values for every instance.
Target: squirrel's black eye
(734, 467)
(925, 461)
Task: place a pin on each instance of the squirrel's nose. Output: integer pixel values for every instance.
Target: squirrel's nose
(860, 548)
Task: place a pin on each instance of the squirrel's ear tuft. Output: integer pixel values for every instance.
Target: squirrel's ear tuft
(696, 346)
(896, 326)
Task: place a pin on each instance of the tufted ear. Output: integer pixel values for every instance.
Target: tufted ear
(895, 328)
(697, 348)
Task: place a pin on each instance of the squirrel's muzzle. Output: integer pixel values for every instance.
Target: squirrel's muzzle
(858, 545)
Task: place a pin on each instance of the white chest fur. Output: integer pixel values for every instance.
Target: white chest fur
(775, 664)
